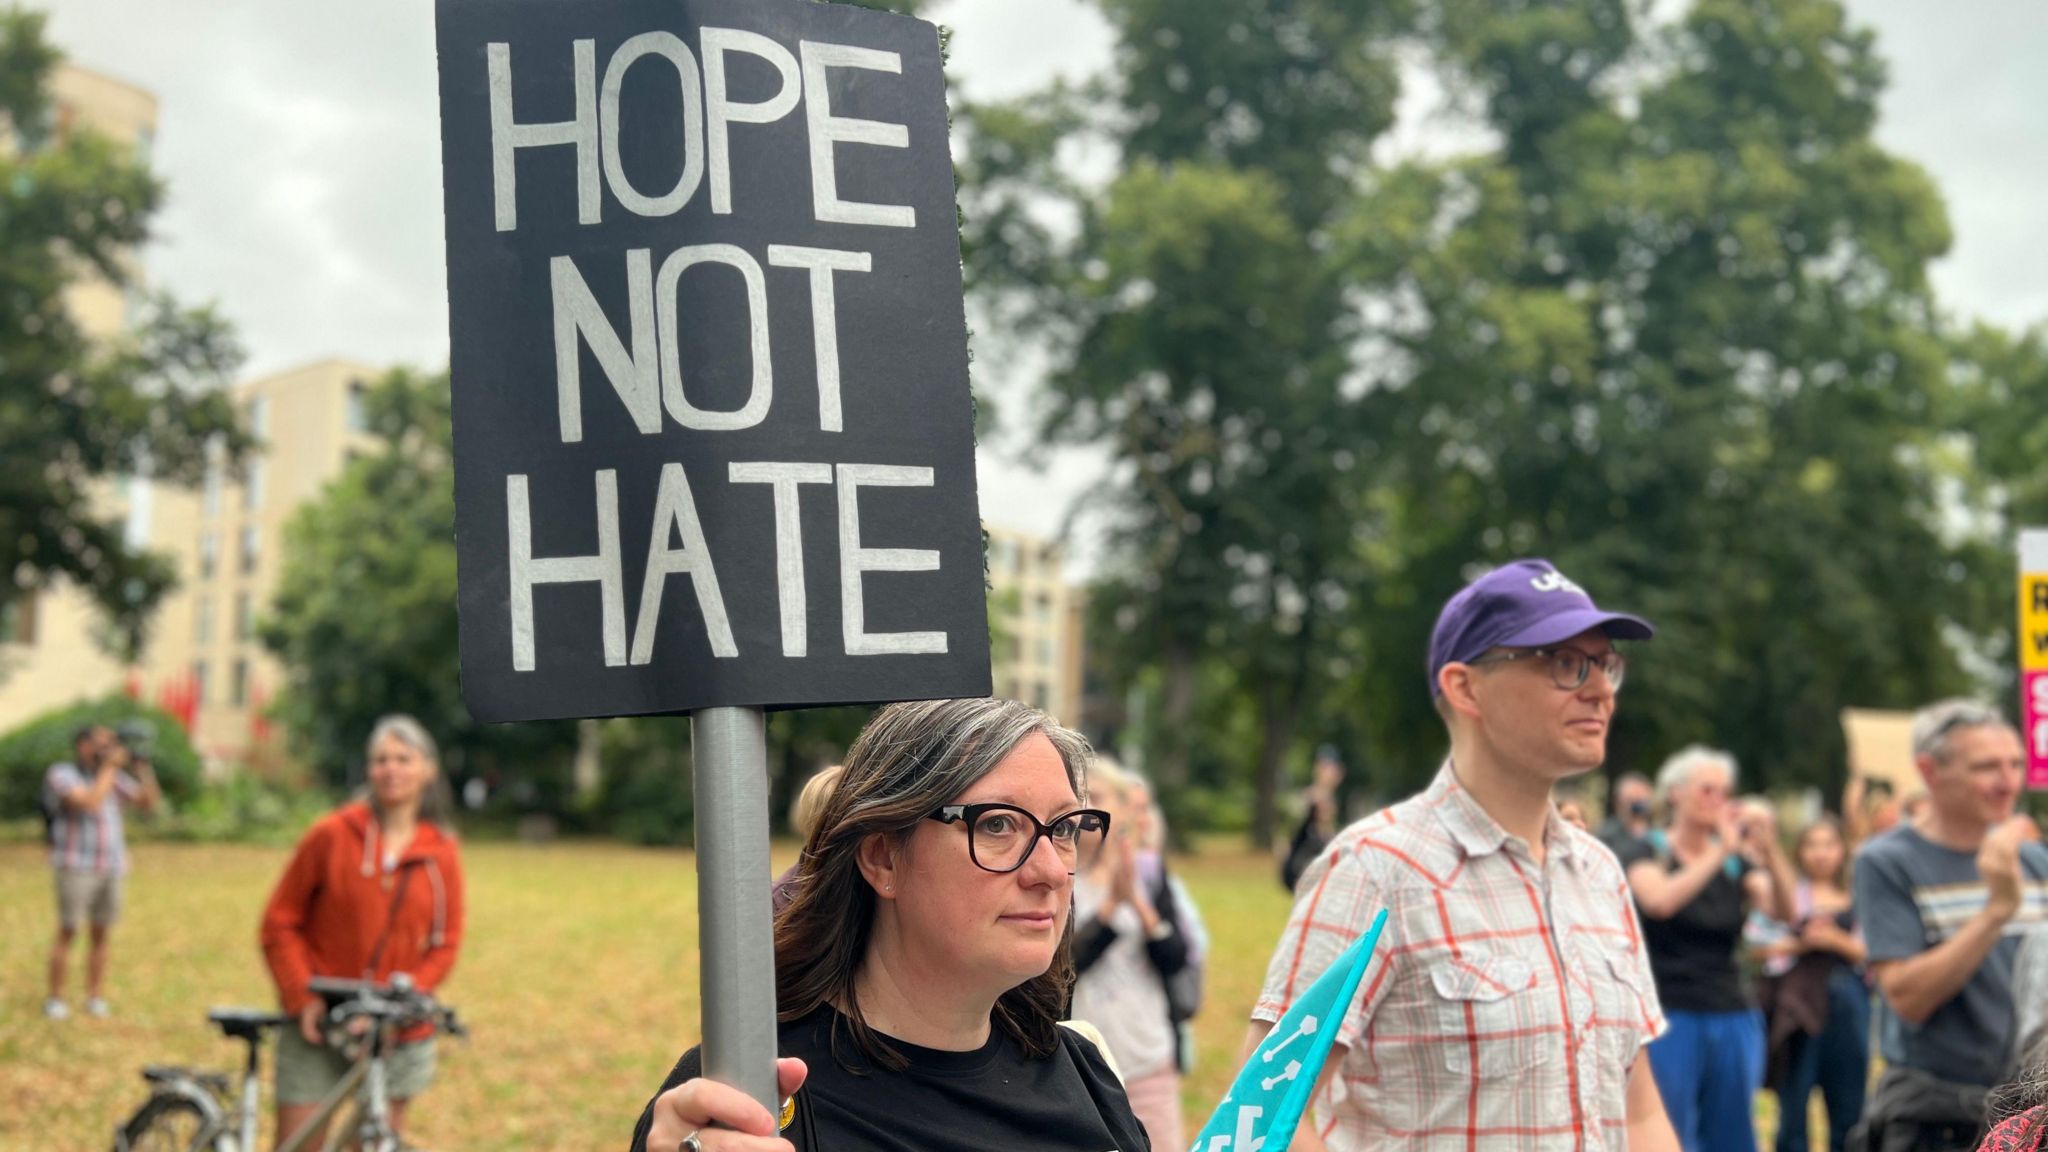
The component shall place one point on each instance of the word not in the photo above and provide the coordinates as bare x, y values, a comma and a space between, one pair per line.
649, 377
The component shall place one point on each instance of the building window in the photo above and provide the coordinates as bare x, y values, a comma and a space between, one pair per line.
202, 620
18, 620
238, 684
259, 427
199, 682
252, 549
252, 486
209, 554
1045, 651
1040, 698
357, 418
245, 617
141, 508
215, 477
1041, 610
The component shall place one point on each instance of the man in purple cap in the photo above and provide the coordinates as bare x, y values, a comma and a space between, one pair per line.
1510, 998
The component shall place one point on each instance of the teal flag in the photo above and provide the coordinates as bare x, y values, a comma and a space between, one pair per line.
1266, 1103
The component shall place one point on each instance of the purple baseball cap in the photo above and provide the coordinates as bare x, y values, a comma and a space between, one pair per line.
1521, 604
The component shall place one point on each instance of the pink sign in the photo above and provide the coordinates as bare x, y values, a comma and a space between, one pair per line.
2034, 725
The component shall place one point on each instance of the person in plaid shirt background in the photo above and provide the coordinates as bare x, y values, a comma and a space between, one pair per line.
1510, 998
88, 851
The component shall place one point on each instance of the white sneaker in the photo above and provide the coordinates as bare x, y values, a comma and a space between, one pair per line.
56, 1009
97, 1008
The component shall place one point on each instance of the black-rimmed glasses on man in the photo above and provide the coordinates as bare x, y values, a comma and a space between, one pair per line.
1001, 837
1569, 667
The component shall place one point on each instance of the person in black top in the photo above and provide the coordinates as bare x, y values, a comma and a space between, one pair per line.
1693, 883
925, 957
1318, 816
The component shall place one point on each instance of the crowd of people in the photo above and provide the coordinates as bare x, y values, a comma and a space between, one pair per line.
982, 944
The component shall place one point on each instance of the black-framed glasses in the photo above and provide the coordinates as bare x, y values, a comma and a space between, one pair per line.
1569, 667
1000, 837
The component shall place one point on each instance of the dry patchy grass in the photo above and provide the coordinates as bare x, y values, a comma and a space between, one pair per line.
578, 979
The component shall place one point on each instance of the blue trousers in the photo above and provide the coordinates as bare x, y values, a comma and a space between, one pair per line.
1837, 1062
1708, 1068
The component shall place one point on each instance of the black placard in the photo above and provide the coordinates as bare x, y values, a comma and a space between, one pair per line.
705, 314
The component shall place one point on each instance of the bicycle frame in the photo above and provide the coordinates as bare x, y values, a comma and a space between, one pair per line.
364, 1085
370, 1126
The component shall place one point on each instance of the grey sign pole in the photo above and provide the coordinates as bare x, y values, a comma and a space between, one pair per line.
729, 749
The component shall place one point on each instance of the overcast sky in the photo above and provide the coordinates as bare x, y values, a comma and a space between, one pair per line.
301, 145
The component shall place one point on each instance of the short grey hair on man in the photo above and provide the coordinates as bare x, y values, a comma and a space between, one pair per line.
1686, 763
1935, 724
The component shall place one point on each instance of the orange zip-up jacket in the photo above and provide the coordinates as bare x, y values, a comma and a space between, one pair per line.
338, 912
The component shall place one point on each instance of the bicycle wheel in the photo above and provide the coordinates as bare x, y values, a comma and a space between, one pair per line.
165, 1124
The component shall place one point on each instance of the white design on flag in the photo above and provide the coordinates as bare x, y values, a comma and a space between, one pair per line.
1243, 1140
1292, 1070
1308, 1028
1272, 1106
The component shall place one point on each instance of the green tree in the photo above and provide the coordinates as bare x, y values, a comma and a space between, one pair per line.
1676, 333
1198, 326
77, 413
1669, 326
364, 618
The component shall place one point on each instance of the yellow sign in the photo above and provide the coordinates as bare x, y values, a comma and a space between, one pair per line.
2033, 654
2033, 621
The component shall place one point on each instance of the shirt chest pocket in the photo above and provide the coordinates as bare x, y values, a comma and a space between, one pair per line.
1620, 1008
1491, 1014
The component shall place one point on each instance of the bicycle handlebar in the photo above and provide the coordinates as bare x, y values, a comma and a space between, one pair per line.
398, 1003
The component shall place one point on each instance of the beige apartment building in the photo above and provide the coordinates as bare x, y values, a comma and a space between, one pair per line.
1037, 656
226, 541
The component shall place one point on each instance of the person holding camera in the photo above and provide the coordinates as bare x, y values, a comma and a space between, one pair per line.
1628, 811
1694, 884
84, 798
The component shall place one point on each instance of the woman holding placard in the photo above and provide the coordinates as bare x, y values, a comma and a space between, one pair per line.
925, 959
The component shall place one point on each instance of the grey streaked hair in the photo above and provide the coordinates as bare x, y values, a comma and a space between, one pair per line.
1934, 724
437, 801
1683, 764
910, 760
408, 731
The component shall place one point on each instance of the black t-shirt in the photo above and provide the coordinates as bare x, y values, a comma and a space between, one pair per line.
1692, 955
994, 1097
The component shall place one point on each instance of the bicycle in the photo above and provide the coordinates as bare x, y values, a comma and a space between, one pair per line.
188, 1110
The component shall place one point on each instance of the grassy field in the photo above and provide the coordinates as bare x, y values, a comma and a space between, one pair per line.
578, 980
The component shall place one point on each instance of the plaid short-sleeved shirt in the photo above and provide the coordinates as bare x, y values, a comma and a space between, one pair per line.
1506, 1002
88, 841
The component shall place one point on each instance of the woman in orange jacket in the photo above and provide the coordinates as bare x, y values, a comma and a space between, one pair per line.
375, 888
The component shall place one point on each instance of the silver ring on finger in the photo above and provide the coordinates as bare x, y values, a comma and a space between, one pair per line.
691, 1143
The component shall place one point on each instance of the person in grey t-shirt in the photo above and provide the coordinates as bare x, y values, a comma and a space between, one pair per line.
1943, 903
